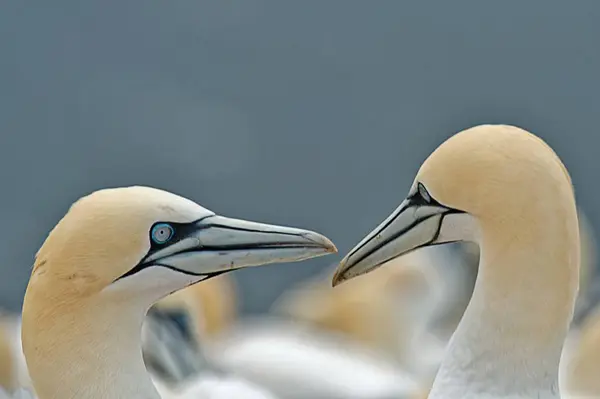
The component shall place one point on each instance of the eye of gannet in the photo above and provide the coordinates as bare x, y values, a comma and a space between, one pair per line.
161, 233
423, 192
419, 196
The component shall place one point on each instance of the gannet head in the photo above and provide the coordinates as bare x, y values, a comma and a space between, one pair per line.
144, 242
486, 175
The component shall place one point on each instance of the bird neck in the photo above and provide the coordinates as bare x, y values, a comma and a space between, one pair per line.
509, 341
84, 347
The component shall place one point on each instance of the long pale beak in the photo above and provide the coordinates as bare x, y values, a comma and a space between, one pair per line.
217, 244
412, 225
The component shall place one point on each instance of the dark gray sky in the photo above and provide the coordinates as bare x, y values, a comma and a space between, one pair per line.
315, 113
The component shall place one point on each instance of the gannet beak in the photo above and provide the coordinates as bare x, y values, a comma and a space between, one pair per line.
216, 244
414, 224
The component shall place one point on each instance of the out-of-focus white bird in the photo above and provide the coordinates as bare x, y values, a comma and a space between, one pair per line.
338, 347
173, 351
388, 311
17, 394
296, 362
177, 328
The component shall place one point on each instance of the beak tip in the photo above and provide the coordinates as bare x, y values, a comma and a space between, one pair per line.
331, 248
340, 274
338, 279
321, 241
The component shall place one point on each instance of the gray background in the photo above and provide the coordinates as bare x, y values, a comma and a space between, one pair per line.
308, 113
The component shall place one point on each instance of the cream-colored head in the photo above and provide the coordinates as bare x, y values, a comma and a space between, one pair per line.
114, 254
106, 234
114, 240
489, 179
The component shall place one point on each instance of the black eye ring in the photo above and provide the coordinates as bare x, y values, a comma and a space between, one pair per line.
161, 233
424, 193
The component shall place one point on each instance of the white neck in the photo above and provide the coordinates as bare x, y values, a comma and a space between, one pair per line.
82, 344
93, 353
509, 341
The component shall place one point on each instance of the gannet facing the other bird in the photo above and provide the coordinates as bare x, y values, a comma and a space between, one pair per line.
506, 190
114, 254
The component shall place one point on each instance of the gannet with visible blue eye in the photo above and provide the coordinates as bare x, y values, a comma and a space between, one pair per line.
506, 190
114, 254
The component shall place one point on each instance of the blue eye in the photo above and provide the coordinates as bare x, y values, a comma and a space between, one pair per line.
162, 232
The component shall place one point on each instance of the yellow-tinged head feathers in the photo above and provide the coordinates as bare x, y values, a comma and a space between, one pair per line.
106, 233
498, 178
487, 168
117, 235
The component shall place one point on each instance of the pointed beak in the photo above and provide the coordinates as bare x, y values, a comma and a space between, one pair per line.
411, 226
217, 244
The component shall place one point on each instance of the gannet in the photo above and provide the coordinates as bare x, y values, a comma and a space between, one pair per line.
114, 254
506, 190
